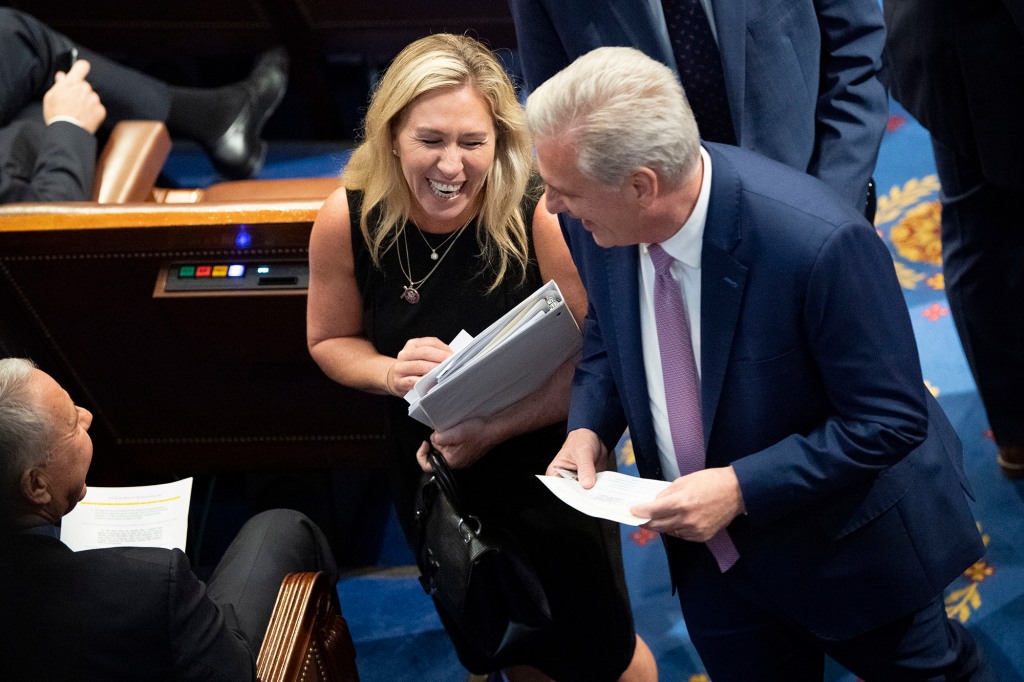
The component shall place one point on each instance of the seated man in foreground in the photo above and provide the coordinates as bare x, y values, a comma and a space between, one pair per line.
121, 613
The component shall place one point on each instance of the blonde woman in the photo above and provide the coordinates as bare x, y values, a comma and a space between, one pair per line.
437, 229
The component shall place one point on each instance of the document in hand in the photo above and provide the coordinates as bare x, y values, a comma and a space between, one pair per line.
610, 498
506, 362
137, 516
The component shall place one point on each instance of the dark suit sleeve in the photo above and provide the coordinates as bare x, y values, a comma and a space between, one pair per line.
63, 169
540, 49
206, 642
862, 344
594, 403
852, 105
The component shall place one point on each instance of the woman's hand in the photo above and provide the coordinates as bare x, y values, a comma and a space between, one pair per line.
461, 445
416, 358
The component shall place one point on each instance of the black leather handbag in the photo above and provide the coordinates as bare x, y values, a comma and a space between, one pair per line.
482, 587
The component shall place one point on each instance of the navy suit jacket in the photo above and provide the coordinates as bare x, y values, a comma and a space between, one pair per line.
811, 389
46, 163
801, 76
125, 613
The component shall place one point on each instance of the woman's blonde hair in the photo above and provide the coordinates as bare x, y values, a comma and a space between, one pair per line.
429, 64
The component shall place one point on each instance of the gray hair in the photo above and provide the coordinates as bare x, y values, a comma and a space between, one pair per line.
623, 111
26, 431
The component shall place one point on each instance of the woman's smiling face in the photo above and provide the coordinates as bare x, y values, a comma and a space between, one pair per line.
445, 144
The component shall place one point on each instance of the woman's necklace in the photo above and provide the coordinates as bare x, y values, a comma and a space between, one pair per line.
433, 250
411, 292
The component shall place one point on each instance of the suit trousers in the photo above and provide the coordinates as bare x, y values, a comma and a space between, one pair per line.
269, 546
982, 253
30, 55
740, 638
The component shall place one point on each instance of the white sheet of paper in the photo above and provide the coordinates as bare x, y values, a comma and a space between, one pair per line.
610, 498
133, 516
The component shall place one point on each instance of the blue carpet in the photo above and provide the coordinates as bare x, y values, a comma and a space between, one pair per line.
398, 636
188, 167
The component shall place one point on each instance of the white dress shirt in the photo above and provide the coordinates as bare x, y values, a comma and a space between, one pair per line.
685, 246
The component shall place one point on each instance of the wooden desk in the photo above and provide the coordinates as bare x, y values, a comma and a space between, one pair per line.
186, 383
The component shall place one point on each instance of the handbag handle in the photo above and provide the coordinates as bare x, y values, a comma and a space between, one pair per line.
446, 482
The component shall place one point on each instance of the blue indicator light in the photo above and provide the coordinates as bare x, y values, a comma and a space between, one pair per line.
236, 270
263, 269
243, 239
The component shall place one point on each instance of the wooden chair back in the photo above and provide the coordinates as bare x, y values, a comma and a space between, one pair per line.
307, 638
130, 162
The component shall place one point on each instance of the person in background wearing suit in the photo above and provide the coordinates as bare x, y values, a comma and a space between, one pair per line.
55, 94
796, 81
750, 331
120, 613
958, 67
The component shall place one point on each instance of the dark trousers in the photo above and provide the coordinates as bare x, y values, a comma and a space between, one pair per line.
269, 546
740, 638
30, 55
983, 264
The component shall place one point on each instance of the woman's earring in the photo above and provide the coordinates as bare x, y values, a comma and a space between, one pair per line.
394, 151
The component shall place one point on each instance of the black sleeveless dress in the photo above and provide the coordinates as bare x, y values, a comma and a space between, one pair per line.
577, 557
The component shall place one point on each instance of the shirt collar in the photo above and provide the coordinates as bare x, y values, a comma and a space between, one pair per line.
687, 243
47, 530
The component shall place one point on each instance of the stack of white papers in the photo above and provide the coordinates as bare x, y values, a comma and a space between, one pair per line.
138, 516
507, 362
610, 498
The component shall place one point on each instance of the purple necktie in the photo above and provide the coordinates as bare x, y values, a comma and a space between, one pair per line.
700, 68
682, 392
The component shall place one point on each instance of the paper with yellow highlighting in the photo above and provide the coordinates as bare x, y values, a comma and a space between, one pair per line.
131, 516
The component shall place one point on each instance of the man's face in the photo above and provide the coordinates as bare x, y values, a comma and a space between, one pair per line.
609, 212
70, 452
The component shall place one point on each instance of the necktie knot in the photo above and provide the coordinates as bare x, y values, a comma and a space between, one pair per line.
662, 260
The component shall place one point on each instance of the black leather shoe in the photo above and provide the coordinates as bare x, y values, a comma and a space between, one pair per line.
1011, 461
239, 153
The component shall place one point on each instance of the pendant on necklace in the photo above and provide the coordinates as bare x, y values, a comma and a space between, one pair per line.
433, 255
410, 295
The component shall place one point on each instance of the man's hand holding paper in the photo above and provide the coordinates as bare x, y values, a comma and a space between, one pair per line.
696, 506
612, 496
693, 507
582, 452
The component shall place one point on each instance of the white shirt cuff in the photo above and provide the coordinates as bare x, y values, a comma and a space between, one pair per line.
66, 119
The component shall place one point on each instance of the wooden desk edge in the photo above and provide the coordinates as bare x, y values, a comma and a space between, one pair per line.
85, 215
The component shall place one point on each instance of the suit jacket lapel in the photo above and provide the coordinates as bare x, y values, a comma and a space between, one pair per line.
622, 267
723, 279
650, 21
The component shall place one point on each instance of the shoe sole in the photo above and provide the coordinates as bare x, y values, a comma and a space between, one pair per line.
1011, 470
